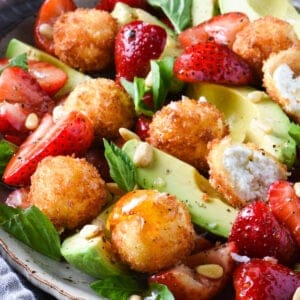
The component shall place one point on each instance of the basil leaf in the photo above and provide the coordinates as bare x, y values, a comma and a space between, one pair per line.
117, 287
7, 149
162, 73
137, 89
178, 12
33, 228
121, 168
158, 292
17, 61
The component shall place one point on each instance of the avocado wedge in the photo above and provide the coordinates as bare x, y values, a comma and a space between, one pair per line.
171, 175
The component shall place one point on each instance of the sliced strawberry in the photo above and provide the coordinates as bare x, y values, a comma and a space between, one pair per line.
212, 62
285, 205
142, 127
50, 78
72, 134
49, 11
109, 5
187, 284
265, 280
12, 122
258, 234
220, 29
18, 86
136, 44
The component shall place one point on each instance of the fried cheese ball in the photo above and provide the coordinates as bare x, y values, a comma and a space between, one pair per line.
84, 39
266, 35
242, 172
107, 105
184, 128
150, 230
282, 80
68, 190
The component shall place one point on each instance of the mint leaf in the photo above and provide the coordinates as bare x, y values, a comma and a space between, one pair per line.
121, 168
158, 292
137, 89
161, 72
178, 12
17, 61
31, 227
7, 150
117, 287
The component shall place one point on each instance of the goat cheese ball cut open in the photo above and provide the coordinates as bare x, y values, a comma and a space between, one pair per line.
84, 39
184, 128
282, 80
266, 35
150, 230
108, 106
242, 172
68, 190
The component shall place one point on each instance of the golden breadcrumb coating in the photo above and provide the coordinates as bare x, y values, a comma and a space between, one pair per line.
184, 128
68, 190
84, 39
281, 80
108, 106
242, 172
266, 35
150, 230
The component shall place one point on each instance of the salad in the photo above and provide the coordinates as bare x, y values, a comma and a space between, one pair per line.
154, 146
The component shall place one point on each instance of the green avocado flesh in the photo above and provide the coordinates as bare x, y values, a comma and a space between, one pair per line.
171, 175
261, 122
203, 10
16, 47
92, 255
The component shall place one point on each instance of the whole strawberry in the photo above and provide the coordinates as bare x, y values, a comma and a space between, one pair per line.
136, 44
257, 234
264, 280
212, 62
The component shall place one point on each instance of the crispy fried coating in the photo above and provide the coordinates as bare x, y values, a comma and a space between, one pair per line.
68, 190
242, 172
184, 128
260, 38
84, 39
108, 106
282, 82
150, 230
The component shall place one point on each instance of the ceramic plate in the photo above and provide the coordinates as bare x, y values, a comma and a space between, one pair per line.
57, 278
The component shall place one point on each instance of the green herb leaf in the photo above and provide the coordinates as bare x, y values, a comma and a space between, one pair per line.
158, 292
121, 168
137, 89
17, 61
162, 73
31, 227
7, 150
178, 12
117, 287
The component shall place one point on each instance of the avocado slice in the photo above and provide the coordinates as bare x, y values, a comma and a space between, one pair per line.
255, 9
89, 250
123, 13
252, 116
169, 174
16, 47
